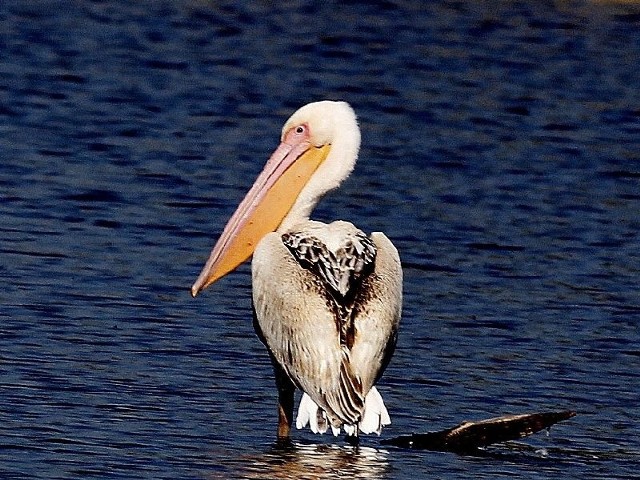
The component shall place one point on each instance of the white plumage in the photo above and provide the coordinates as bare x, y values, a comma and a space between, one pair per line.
327, 297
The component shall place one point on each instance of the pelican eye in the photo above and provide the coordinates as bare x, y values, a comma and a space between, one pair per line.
300, 129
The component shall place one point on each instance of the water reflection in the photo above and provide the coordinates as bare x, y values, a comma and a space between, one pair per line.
315, 461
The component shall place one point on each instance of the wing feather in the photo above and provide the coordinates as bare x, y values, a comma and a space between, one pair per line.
297, 315
377, 314
296, 321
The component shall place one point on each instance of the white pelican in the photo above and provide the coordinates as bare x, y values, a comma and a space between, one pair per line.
326, 298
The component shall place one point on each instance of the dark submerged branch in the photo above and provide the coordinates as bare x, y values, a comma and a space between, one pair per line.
468, 437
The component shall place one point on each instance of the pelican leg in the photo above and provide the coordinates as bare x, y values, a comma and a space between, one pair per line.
353, 440
286, 388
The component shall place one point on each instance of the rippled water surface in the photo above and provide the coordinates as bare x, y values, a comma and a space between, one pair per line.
500, 153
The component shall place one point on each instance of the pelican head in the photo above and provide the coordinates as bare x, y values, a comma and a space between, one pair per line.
318, 150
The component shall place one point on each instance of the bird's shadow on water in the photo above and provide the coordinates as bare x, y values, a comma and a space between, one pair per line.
296, 460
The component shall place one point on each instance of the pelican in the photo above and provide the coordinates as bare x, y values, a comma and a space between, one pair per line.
327, 298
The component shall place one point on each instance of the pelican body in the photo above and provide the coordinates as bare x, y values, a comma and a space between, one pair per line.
327, 298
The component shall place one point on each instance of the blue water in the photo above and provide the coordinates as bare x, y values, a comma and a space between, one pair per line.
501, 154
